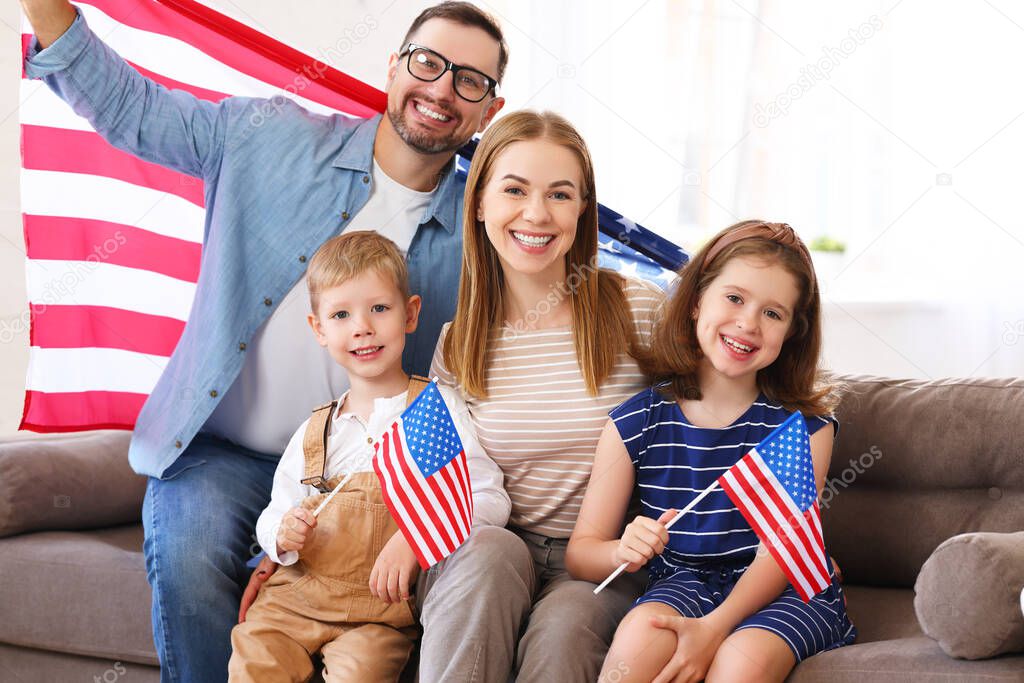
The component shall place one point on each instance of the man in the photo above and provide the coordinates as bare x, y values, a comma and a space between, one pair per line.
243, 373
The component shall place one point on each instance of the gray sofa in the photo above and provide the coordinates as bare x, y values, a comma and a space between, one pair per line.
916, 463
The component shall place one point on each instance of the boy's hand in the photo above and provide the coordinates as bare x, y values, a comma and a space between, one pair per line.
394, 571
642, 539
297, 527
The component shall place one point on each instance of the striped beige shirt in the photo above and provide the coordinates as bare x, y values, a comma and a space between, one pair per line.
539, 424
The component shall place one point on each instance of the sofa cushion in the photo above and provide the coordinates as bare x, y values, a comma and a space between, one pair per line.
968, 595
881, 613
890, 647
917, 462
28, 665
904, 660
81, 592
77, 482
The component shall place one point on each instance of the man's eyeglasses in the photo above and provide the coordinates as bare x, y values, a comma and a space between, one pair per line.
427, 65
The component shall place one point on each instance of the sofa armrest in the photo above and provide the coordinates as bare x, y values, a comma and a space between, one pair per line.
68, 482
968, 595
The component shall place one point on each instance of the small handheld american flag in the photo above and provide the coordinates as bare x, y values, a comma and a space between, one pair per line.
773, 486
425, 478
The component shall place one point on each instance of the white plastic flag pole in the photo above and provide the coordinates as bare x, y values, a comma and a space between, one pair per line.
327, 500
622, 567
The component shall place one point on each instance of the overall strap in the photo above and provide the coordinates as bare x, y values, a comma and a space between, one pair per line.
416, 386
314, 440
314, 445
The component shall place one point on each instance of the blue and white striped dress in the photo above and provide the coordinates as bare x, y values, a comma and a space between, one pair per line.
711, 546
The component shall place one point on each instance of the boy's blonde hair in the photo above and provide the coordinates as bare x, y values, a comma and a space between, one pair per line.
344, 257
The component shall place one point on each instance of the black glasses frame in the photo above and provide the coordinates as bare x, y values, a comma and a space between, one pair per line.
449, 65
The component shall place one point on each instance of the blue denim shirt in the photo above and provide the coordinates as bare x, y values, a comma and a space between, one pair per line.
274, 193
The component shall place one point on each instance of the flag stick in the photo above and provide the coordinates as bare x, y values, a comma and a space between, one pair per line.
622, 567
327, 500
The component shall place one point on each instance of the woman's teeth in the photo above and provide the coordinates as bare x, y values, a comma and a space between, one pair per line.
736, 346
437, 116
532, 241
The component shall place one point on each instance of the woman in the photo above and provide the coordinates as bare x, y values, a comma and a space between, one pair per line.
541, 347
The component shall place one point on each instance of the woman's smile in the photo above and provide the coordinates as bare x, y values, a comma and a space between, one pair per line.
530, 207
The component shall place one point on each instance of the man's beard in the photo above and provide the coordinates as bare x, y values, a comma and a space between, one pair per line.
421, 141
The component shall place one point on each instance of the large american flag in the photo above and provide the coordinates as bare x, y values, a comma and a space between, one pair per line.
425, 478
113, 243
773, 486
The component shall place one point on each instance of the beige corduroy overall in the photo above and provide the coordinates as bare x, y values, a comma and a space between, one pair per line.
323, 601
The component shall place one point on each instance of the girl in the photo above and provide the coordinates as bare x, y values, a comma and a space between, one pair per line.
736, 352
541, 347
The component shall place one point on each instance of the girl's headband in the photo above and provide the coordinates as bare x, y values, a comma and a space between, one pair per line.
772, 232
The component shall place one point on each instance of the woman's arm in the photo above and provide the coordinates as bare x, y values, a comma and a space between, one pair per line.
594, 549
491, 504
437, 368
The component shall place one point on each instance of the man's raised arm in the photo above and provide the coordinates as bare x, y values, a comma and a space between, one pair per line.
167, 127
49, 18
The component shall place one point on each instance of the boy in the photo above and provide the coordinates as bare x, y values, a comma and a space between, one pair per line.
344, 585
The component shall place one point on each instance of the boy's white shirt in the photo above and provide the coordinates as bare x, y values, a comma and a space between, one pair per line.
350, 449
283, 360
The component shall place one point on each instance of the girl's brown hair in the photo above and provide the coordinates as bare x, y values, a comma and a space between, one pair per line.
601, 319
794, 379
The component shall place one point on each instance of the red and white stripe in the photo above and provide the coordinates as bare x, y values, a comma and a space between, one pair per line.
113, 243
793, 536
435, 514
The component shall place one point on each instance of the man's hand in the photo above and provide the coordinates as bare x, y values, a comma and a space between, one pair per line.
297, 527
49, 18
697, 642
394, 571
263, 570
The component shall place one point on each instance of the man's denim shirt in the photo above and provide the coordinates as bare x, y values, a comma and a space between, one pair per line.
274, 193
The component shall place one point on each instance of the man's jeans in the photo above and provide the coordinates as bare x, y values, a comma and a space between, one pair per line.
200, 522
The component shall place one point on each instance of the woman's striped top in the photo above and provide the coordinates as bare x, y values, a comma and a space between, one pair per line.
539, 424
675, 460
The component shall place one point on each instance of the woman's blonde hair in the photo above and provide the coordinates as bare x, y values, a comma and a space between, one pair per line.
601, 319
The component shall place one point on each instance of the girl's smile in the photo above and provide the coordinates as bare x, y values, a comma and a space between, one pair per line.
744, 316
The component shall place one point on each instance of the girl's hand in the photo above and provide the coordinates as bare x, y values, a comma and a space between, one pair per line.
296, 530
642, 539
697, 642
394, 571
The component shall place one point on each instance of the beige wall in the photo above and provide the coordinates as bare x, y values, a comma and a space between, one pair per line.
330, 34
886, 332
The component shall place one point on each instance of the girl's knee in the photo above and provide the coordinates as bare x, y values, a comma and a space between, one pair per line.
635, 632
639, 650
753, 655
